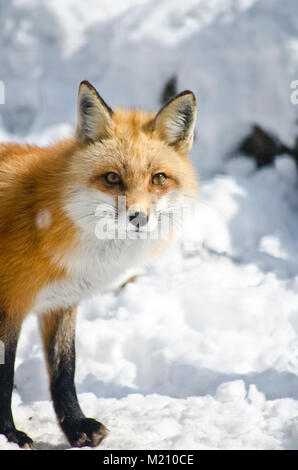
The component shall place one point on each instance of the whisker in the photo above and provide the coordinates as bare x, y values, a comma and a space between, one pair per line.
169, 208
105, 208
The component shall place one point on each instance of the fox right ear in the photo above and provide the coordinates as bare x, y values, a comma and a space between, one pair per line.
176, 120
94, 115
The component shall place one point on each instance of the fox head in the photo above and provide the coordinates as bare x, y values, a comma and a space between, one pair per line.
130, 169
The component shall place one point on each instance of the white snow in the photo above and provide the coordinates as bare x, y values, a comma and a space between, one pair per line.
201, 352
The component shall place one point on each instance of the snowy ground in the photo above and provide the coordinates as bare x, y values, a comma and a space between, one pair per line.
201, 352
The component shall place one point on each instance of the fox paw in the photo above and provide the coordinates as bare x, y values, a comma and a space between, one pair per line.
86, 432
20, 438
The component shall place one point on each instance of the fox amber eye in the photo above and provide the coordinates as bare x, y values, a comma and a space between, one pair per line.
112, 178
159, 179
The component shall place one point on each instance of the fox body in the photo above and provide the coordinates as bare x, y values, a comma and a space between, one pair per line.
62, 211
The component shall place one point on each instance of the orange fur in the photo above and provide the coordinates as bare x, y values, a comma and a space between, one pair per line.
30, 180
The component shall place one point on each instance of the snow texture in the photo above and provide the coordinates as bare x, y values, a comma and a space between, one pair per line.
201, 352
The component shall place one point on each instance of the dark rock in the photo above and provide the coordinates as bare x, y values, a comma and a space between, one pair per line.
263, 147
169, 90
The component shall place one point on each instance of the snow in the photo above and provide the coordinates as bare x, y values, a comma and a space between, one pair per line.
201, 352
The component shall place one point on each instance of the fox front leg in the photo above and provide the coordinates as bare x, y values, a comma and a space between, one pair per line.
58, 334
9, 333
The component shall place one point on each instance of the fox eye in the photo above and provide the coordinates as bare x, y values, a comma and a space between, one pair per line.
159, 179
112, 178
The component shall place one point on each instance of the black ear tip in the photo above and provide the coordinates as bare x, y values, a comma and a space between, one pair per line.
95, 93
87, 84
187, 92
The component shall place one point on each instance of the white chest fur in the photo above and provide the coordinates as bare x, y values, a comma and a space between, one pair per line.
96, 266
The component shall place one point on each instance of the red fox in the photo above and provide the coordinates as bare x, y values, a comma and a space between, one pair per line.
53, 253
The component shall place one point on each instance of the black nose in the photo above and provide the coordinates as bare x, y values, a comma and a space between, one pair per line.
139, 219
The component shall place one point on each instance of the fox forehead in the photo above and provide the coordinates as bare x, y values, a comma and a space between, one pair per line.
130, 121
130, 150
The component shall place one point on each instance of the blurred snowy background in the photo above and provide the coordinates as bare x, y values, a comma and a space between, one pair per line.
201, 352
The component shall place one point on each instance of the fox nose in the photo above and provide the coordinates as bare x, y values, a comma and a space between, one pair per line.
138, 219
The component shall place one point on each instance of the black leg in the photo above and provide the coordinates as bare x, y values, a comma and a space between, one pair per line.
9, 333
58, 332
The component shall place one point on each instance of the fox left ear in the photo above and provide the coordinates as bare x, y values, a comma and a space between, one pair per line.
175, 122
94, 115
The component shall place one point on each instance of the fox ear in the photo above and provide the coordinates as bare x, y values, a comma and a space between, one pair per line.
175, 122
94, 115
